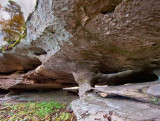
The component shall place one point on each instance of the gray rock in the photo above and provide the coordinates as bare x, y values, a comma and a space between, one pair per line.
94, 108
154, 90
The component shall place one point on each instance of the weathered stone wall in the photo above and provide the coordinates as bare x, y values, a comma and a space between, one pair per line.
84, 41
90, 42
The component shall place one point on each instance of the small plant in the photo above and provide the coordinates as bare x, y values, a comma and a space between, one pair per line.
35, 111
156, 100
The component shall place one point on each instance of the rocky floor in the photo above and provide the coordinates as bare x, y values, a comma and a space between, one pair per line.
33, 96
95, 108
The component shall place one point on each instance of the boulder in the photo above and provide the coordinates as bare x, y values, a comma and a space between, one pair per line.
154, 90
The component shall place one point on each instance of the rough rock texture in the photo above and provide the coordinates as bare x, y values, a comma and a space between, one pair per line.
17, 82
100, 109
85, 43
10, 63
90, 42
154, 90
8, 81
137, 91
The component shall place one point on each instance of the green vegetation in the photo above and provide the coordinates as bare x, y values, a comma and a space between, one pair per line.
17, 41
35, 111
12, 45
13, 29
156, 100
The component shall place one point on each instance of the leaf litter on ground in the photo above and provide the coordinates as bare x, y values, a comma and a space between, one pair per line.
36, 111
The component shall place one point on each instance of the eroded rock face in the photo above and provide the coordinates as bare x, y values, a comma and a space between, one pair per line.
90, 42
86, 41
9, 81
10, 63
